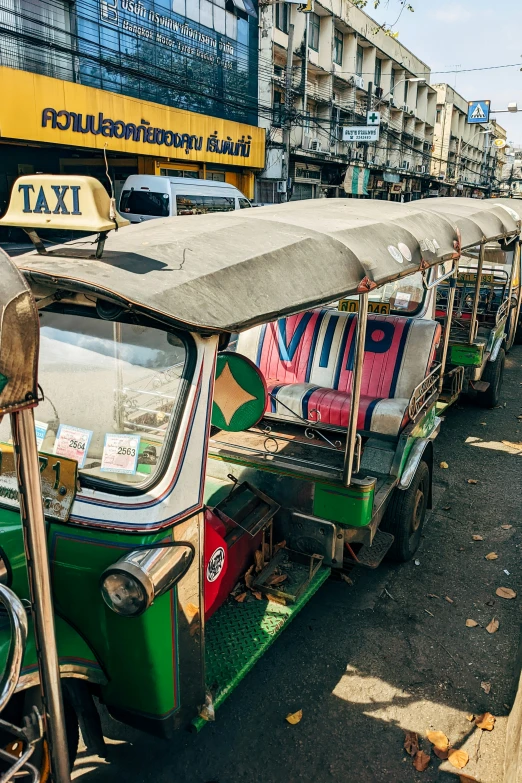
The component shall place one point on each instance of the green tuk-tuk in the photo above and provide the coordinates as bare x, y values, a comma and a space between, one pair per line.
197, 493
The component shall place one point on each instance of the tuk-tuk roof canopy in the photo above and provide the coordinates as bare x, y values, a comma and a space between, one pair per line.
229, 271
478, 220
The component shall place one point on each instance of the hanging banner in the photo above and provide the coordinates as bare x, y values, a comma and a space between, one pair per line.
356, 180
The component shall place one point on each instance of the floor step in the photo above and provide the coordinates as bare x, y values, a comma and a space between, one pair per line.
238, 635
370, 556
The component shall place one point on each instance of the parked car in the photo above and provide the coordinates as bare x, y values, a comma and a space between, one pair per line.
145, 197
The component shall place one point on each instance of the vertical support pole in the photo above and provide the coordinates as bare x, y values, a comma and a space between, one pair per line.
35, 540
305, 77
472, 327
447, 325
351, 435
288, 104
518, 271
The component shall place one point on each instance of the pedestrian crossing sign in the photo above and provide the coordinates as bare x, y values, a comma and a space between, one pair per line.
478, 111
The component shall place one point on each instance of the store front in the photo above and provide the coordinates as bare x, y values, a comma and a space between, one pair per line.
63, 127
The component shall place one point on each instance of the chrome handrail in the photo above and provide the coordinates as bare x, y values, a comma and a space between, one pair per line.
422, 391
18, 620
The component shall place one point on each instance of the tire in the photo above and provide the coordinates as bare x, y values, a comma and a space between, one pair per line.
21, 704
518, 333
493, 374
405, 515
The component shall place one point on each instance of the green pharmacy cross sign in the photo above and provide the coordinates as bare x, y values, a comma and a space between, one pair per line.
373, 118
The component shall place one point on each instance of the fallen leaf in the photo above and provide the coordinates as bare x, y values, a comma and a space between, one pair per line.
471, 623
506, 527
430, 614
240, 598
421, 761
294, 717
493, 626
275, 599
276, 579
448, 599
259, 559
459, 758
411, 743
477, 538
444, 465
472, 481
470, 717
249, 577
257, 595
441, 754
505, 592
446, 508
490, 603
486, 721
432, 595
492, 556
279, 546
438, 739
346, 579
486, 686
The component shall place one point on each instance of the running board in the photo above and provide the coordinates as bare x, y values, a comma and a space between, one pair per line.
370, 556
238, 635
480, 386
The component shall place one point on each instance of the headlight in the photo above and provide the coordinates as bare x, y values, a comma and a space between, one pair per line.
130, 586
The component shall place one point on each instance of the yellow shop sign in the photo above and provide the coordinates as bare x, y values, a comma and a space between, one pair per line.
63, 112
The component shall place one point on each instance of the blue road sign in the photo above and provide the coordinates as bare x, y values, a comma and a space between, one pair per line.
478, 111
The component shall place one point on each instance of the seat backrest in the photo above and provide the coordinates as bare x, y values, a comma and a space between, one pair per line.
318, 347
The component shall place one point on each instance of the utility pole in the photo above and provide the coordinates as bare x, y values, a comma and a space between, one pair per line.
369, 107
288, 108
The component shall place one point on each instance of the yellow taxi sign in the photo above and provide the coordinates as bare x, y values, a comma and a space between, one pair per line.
61, 202
471, 277
352, 306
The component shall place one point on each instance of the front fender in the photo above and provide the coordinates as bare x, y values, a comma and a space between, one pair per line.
76, 658
497, 345
422, 449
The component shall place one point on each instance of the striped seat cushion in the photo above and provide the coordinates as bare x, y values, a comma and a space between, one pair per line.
308, 361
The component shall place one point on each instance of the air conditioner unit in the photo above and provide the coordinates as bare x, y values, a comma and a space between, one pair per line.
421, 169
315, 145
357, 81
279, 72
405, 108
405, 165
281, 186
393, 103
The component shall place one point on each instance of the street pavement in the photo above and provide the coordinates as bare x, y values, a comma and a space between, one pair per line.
389, 654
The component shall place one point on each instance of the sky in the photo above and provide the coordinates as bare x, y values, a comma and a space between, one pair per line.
468, 34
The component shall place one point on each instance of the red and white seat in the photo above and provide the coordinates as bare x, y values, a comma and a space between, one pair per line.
308, 359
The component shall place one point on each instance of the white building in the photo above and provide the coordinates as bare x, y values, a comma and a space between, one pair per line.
342, 65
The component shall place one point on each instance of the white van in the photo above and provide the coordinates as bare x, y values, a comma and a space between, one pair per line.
145, 197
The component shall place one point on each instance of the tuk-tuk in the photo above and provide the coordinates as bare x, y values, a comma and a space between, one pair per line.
197, 496
476, 299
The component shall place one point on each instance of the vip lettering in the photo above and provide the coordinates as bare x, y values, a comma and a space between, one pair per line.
145, 133
41, 205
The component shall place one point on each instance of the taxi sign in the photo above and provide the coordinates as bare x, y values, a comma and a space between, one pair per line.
61, 202
352, 306
471, 277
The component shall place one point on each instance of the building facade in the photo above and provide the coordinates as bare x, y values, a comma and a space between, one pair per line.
342, 66
158, 86
465, 160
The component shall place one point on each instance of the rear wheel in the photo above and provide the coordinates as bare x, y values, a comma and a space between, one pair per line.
404, 517
493, 374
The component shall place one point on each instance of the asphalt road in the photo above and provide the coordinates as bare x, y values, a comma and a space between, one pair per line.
389, 654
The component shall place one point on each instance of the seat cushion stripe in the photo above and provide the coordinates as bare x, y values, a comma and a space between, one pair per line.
317, 328
369, 413
349, 336
398, 360
327, 342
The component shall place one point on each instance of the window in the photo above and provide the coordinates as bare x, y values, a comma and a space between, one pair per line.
378, 72
278, 109
314, 27
392, 81
244, 203
145, 202
113, 393
359, 60
406, 87
282, 14
203, 205
438, 115
190, 174
338, 47
215, 176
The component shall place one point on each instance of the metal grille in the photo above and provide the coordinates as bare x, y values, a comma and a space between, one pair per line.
238, 635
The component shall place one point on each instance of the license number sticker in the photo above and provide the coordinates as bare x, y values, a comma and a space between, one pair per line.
40, 428
352, 306
402, 300
120, 453
73, 443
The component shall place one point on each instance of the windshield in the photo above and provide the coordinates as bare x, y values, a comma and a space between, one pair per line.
112, 391
145, 202
402, 297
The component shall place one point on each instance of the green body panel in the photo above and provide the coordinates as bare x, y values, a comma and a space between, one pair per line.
466, 354
347, 505
12, 543
238, 635
73, 651
423, 429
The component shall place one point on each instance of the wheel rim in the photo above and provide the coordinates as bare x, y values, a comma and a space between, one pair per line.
419, 508
16, 748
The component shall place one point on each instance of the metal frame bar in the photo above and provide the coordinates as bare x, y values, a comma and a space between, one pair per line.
447, 325
351, 436
35, 540
423, 391
473, 326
